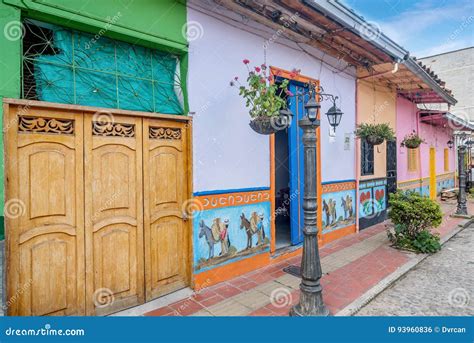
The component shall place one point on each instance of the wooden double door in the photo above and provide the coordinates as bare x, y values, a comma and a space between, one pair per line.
96, 202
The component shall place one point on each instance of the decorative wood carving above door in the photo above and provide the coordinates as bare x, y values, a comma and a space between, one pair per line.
45, 125
113, 129
165, 133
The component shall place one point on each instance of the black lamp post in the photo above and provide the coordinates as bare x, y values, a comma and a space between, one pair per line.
461, 209
311, 298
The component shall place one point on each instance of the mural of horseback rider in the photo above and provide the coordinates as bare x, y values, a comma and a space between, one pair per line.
253, 226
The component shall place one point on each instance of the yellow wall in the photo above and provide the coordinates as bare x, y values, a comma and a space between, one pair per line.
375, 104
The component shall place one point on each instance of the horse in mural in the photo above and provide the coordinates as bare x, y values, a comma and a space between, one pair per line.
252, 227
215, 234
330, 209
326, 211
205, 231
346, 205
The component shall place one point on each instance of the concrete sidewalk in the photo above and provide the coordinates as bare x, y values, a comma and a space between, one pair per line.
356, 268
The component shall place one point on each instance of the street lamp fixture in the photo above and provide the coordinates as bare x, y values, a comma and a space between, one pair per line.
450, 144
312, 107
311, 297
334, 115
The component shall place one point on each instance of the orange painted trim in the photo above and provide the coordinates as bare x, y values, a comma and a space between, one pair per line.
230, 270
338, 187
272, 195
334, 235
212, 201
319, 189
287, 255
240, 267
275, 71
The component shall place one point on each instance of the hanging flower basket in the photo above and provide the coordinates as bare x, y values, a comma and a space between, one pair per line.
375, 134
375, 140
265, 99
412, 141
266, 125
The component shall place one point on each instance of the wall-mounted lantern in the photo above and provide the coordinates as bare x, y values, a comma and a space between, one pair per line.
334, 115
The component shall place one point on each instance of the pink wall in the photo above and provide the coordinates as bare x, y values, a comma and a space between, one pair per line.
434, 136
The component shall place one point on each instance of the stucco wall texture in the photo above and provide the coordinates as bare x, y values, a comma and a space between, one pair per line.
376, 104
456, 68
228, 155
434, 136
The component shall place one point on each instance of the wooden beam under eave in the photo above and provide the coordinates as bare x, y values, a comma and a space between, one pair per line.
292, 35
413, 85
328, 35
329, 25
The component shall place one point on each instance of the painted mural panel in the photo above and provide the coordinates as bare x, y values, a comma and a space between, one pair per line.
338, 210
227, 234
380, 202
372, 198
365, 203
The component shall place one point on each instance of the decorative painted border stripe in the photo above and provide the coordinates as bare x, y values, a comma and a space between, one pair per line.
211, 201
365, 184
338, 186
425, 180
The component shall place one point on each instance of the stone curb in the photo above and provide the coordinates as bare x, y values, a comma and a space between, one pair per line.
365, 298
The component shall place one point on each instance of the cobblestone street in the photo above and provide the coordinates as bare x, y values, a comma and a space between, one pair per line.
441, 285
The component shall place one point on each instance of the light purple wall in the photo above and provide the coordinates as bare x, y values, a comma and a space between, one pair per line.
227, 154
434, 136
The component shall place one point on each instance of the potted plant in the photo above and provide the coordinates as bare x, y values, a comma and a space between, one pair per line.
412, 141
265, 100
375, 134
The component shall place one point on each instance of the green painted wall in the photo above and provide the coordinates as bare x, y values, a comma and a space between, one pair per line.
156, 24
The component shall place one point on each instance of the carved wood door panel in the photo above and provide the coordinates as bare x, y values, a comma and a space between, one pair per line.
165, 192
114, 213
44, 212
94, 210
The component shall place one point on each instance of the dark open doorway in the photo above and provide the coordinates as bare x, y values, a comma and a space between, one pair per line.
391, 167
282, 191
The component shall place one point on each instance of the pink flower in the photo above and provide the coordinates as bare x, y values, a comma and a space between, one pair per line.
294, 73
262, 80
270, 78
257, 69
246, 61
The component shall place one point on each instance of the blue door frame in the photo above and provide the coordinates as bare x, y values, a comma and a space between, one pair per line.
296, 155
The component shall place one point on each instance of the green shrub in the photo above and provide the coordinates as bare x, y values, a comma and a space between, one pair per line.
414, 216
